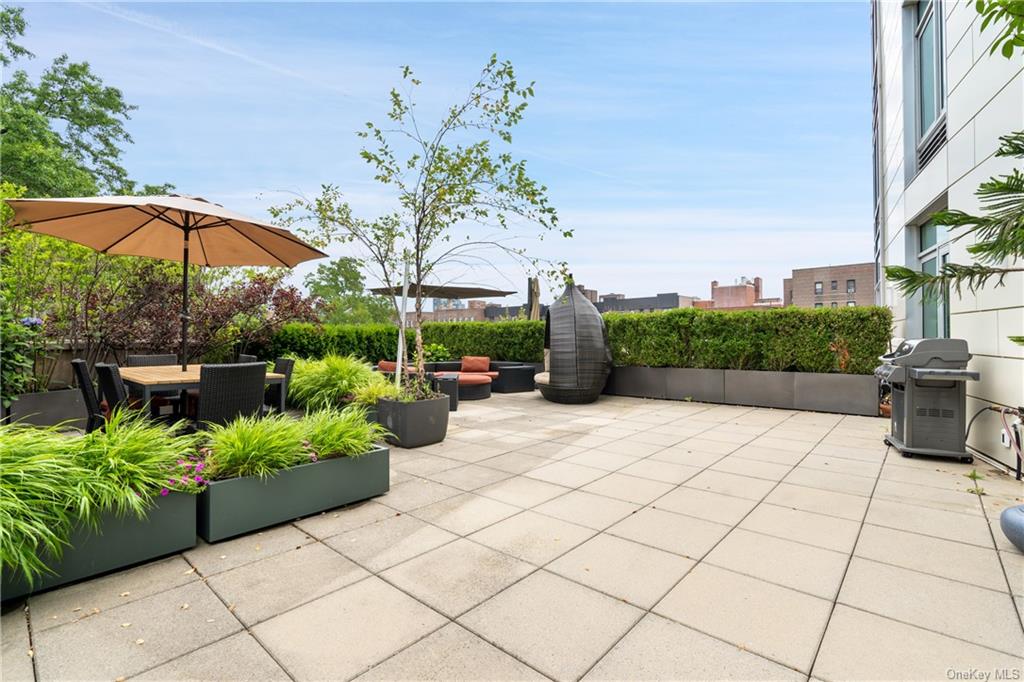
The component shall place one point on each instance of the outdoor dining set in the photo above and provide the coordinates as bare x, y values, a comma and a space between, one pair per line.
199, 394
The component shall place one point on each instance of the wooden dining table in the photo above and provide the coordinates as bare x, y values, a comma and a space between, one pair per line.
145, 381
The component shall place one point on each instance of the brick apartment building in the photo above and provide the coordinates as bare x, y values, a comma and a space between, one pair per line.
746, 294
831, 286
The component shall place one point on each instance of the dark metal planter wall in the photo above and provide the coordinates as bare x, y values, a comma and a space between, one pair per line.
240, 505
169, 527
841, 393
49, 408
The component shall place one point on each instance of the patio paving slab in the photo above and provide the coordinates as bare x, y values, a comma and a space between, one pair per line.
249, 662
801, 567
606, 460
944, 558
81, 600
417, 493
465, 513
452, 653
628, 488
660, 649
735, 464
612, 565
533, 537
522, 491
706, 505
557, 626
210, 559
951, 608
458, 576
390, 541
338, 521
666, 472
262, 589
15, 652
938, 523
469, 476
567, 474
903, 651
315, 642
685, 535
831, 481
731, 484
517, 462
586, 509
819, 501
746, 612
132, 638
809, 528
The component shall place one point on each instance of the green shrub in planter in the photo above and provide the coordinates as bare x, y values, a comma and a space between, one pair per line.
51, 483
378, 388
328, 382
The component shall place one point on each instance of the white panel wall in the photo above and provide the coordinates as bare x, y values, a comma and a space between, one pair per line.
985, 99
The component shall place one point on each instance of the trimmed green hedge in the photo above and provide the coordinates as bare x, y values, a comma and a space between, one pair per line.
787, 339
782, 339
521, 340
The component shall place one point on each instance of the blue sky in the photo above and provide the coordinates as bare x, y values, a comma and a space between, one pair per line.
682, 142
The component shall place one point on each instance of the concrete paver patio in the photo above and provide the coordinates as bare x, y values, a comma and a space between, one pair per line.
628, 539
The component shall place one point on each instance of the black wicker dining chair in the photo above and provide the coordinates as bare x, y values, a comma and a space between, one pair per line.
160, 398
230, 391
94, 415
242, 357
112, 388
276, 393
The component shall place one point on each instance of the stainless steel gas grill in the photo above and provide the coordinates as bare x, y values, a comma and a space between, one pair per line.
928, 379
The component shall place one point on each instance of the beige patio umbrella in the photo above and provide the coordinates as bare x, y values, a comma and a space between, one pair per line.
165, 227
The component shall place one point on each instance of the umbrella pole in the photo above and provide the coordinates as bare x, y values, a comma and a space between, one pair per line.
184, 301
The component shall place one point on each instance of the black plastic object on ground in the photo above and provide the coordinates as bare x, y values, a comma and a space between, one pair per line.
579, 359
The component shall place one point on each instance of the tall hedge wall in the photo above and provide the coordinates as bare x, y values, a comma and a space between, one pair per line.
783, 339
845, 340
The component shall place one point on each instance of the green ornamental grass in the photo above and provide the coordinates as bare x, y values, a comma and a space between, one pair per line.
378, 388
254, 446
328, 382
341, 433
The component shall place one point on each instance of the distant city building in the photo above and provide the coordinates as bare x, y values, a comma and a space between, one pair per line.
643, 304
449, 304
832, 286
589, 294
746, 294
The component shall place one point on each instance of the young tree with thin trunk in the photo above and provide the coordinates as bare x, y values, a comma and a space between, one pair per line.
460, 200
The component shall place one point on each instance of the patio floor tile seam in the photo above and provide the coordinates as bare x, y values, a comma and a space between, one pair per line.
699, 561
27, 611
1002, 564
846, 571
901, 567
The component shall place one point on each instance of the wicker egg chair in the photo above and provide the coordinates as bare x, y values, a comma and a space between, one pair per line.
578, 357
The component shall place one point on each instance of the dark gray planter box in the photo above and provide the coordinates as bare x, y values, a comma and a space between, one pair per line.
415, 424
49, 408
640, 382
120, 541
241, 505
845, 393
761, 389
702, 385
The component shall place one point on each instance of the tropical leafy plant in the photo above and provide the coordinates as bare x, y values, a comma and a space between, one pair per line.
328, 382
254, 446
341, 433
435, 352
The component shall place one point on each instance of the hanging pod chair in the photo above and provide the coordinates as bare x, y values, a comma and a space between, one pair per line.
576, 343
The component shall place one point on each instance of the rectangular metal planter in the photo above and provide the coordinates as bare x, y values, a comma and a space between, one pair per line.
240, 505
843, 393
639, 382
702, 385
48, 408
760, 389
415, 424
120, 541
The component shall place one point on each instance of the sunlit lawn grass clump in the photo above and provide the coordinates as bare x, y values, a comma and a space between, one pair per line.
328, 382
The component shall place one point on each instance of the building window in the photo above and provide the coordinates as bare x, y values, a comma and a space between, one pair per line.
835, 285
834, 304
851, 286
850, 304
818, 288
930, 80
933, 253
817, 305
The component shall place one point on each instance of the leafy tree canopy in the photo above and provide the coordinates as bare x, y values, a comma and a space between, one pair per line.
341, 286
